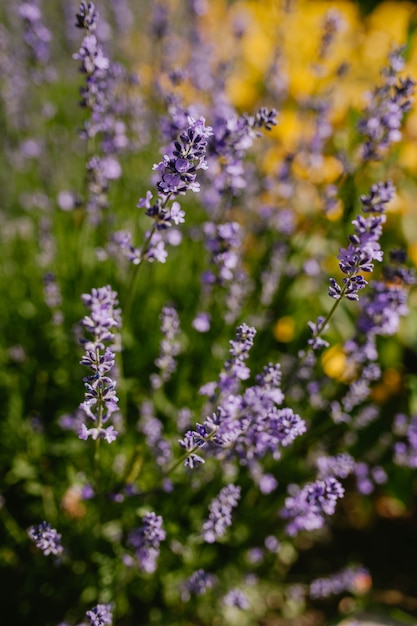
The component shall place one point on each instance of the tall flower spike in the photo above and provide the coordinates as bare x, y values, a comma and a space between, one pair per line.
169, 348
346, 579
381, 122
100, 615
46, 538
221, 513
307, 508
197, 584
177, 175
363, 248
100, 397
146, 539
101, 99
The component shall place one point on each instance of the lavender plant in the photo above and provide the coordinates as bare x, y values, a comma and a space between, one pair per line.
262, 424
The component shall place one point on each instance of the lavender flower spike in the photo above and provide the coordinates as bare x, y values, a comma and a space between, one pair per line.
306, 508
100, 396
363, 248
221, 513
46, 538
198, 583
100, 615
146, 539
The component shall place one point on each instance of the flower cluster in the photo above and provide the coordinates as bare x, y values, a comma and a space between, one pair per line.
246, 425
98, 96
95, 65
36, 36
101, 400
177, 175
100, 615
405, 452
381, 122
152, 428
170, 346
46, 538
197, 584
306, 508
363, 248
145, 541
340, 465
236, 598
221, 513
235, 369
347, 579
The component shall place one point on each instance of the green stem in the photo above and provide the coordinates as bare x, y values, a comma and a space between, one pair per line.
320, 329
189, 453
127, 305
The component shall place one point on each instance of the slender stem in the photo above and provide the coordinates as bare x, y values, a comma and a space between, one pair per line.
127, 305
97, 464
187, 454
320, 329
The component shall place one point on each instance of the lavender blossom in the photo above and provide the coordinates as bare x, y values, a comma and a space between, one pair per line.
145, 541
332, 25
307, 507
99, 97
405, 452
247, 425
170, 347
152, 428
192, 441
235, 369
95, 65
237, 598
344, 580
341, 465
100, 615
177, 175
363, 248
46, 538
381, 121
36, 37
221, 513
100, 397
197, 584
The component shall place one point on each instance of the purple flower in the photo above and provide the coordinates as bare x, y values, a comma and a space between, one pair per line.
363, 248
201, 322
170, 346
87, 16
190, 443
197, 584
381, 122
145, 541
100, 615
46, 538
340, 465
380, 194
343, 580
236, 597
332, 25
220, 517
100, 400
235, 369
177, 174
152, 428
306, 509
36, 36
405, 452
100, 96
